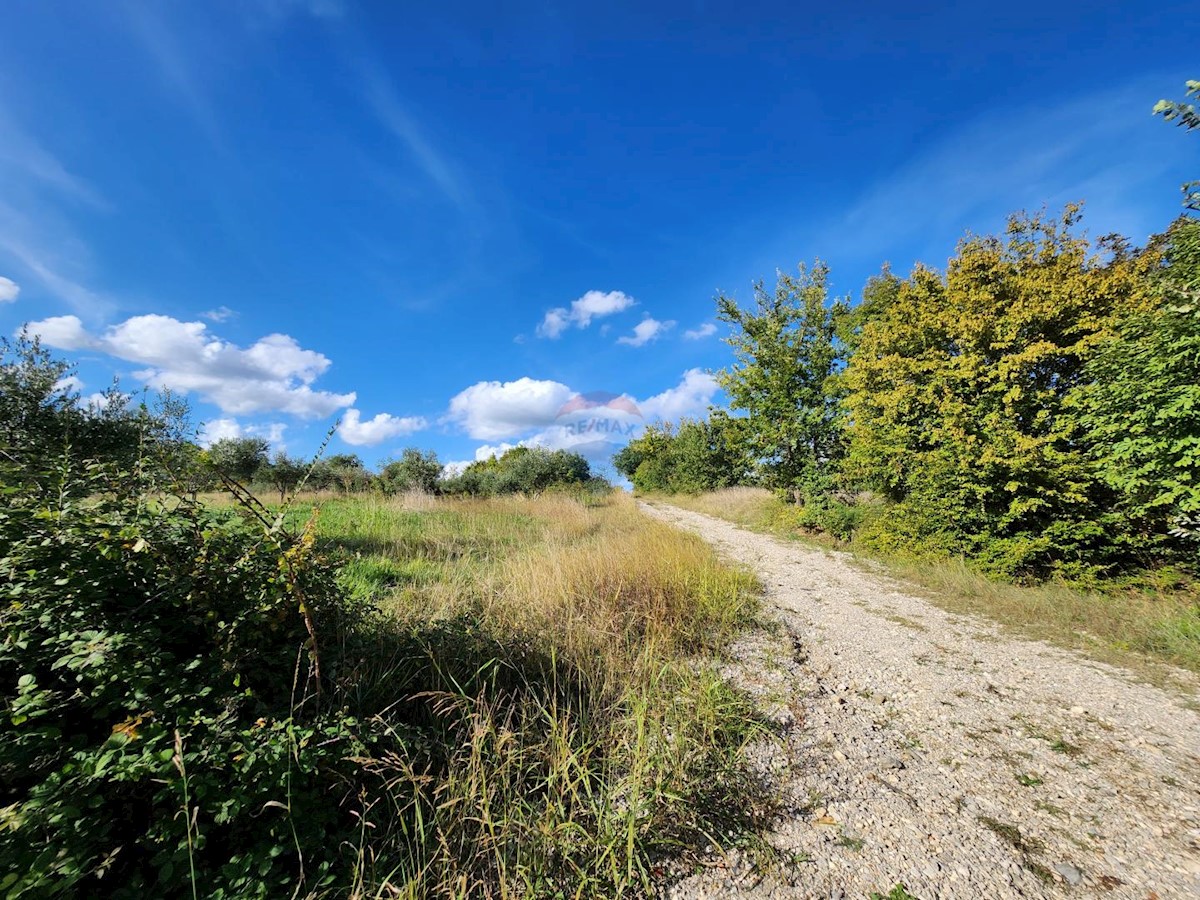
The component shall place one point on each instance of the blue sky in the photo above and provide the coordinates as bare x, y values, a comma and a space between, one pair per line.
439, 222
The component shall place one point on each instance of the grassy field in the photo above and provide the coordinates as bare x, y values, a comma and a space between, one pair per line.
1131, 626
566, 649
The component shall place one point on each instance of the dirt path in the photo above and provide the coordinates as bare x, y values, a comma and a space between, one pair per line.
928, 749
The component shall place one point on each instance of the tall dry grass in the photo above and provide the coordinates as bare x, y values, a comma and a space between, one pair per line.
750, 507
555, 658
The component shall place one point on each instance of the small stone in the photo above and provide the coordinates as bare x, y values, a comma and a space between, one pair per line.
1077, 711
893, 762
839, 755
1071, 874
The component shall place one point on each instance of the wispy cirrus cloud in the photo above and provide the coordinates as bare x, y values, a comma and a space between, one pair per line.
398, 119
1102, 147
157, 36
26, 165
40, 195
707, 329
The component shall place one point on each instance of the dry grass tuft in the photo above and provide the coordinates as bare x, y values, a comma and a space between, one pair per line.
750, 507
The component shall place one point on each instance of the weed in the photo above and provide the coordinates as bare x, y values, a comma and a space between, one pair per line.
1012, 835
1067, 748
850, 843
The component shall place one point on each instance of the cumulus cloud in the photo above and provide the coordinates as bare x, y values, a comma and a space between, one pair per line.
592, 305
382, 427
691, 397
647, 330
529, 413
491, 410
226, 428
72, 383
700, 331
9, 290
275, 374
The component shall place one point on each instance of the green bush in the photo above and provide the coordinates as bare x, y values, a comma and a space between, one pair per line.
521, 470
152, 730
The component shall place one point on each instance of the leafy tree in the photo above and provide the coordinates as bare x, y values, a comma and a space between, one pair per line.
524, 470
284, 474
239, 458
414, 470
1186, 116
787, 356
343, 471
42, 416
1183, 114
878, 295
695, 456
963, 398
1144, 406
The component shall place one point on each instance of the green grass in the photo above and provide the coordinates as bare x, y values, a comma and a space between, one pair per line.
1137, 626
564, 651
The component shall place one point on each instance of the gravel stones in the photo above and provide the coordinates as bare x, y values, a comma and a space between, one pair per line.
951, 757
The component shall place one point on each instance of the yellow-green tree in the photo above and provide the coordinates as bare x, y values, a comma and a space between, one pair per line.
962, 398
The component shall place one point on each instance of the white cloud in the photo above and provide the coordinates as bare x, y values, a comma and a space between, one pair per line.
592, 305
220, 314
487, 451
9, 290
491, 410
454, 467
99, 400
700, 331
645, 331
63, 332
221, 429
529, 413
382, 427
72, 383
691, 397
555, 323
275, 374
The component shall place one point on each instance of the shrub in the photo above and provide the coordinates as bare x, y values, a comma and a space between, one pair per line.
150, 735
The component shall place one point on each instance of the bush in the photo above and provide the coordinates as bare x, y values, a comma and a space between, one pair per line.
521, 470
149, 736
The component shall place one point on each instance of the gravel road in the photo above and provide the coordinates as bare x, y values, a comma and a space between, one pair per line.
931, 750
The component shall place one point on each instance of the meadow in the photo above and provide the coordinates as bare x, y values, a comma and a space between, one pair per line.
567, 647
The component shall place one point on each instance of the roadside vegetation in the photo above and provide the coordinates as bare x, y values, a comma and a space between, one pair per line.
375, 694
1131, 623
1030, 415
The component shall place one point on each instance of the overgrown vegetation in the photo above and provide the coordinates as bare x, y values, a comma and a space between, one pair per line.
382, 696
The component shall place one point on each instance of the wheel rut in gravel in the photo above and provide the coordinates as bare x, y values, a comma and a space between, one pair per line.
932, 750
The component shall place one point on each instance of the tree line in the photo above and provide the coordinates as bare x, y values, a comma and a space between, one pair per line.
45, 423
1034, 407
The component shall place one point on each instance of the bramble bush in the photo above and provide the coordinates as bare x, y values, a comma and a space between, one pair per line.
165, 719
